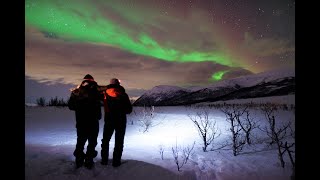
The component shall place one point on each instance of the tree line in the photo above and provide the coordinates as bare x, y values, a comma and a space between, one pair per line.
52, 102
57, 102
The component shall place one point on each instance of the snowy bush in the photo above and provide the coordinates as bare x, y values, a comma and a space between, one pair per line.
146, 120
233, 117
247, 124
161, 150
181, 155
206, 127
279, 135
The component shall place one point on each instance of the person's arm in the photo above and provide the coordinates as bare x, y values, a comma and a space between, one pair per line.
102, 88
100, 91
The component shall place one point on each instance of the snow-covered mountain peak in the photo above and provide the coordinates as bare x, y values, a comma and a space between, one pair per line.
165, 89
272, 83
254, 79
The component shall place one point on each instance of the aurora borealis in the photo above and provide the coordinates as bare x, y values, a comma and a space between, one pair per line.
156, 42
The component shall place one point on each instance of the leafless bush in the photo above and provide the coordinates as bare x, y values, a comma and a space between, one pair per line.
289, 148
278, 135
182, 159
239, 105
247, 125
233, 117
250, 105
207, 129
147, 118
133, 114
161, 150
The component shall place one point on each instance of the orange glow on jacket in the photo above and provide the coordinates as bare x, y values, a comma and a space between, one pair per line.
113, 92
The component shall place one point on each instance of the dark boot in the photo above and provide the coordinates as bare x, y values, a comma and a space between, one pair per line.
79, 162
92, 153
104, 157
88, 162
79, 159
117, 153
116, 163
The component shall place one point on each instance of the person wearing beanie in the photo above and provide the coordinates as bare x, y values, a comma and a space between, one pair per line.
116, 106
88, 77
114, 81
86, 101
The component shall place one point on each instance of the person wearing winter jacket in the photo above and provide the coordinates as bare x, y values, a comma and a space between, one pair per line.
86, 101
116, 106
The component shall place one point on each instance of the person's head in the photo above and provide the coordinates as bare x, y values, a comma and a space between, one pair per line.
88, 77
115, 81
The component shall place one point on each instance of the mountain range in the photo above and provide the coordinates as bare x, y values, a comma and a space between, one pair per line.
272, 83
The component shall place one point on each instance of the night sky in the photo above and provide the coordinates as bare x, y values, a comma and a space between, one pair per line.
146, 43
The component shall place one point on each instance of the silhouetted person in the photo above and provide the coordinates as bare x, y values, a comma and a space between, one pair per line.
86, 102
116, 106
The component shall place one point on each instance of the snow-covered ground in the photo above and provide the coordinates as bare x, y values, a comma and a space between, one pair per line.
50, 138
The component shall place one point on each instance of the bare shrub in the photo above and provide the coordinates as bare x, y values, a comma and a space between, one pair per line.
161, 150
278, 134
233, 114
133, 114
181, 159
146, 118
247, 125
206, 127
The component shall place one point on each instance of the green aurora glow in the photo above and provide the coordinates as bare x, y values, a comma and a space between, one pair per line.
82, 21
218, 75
